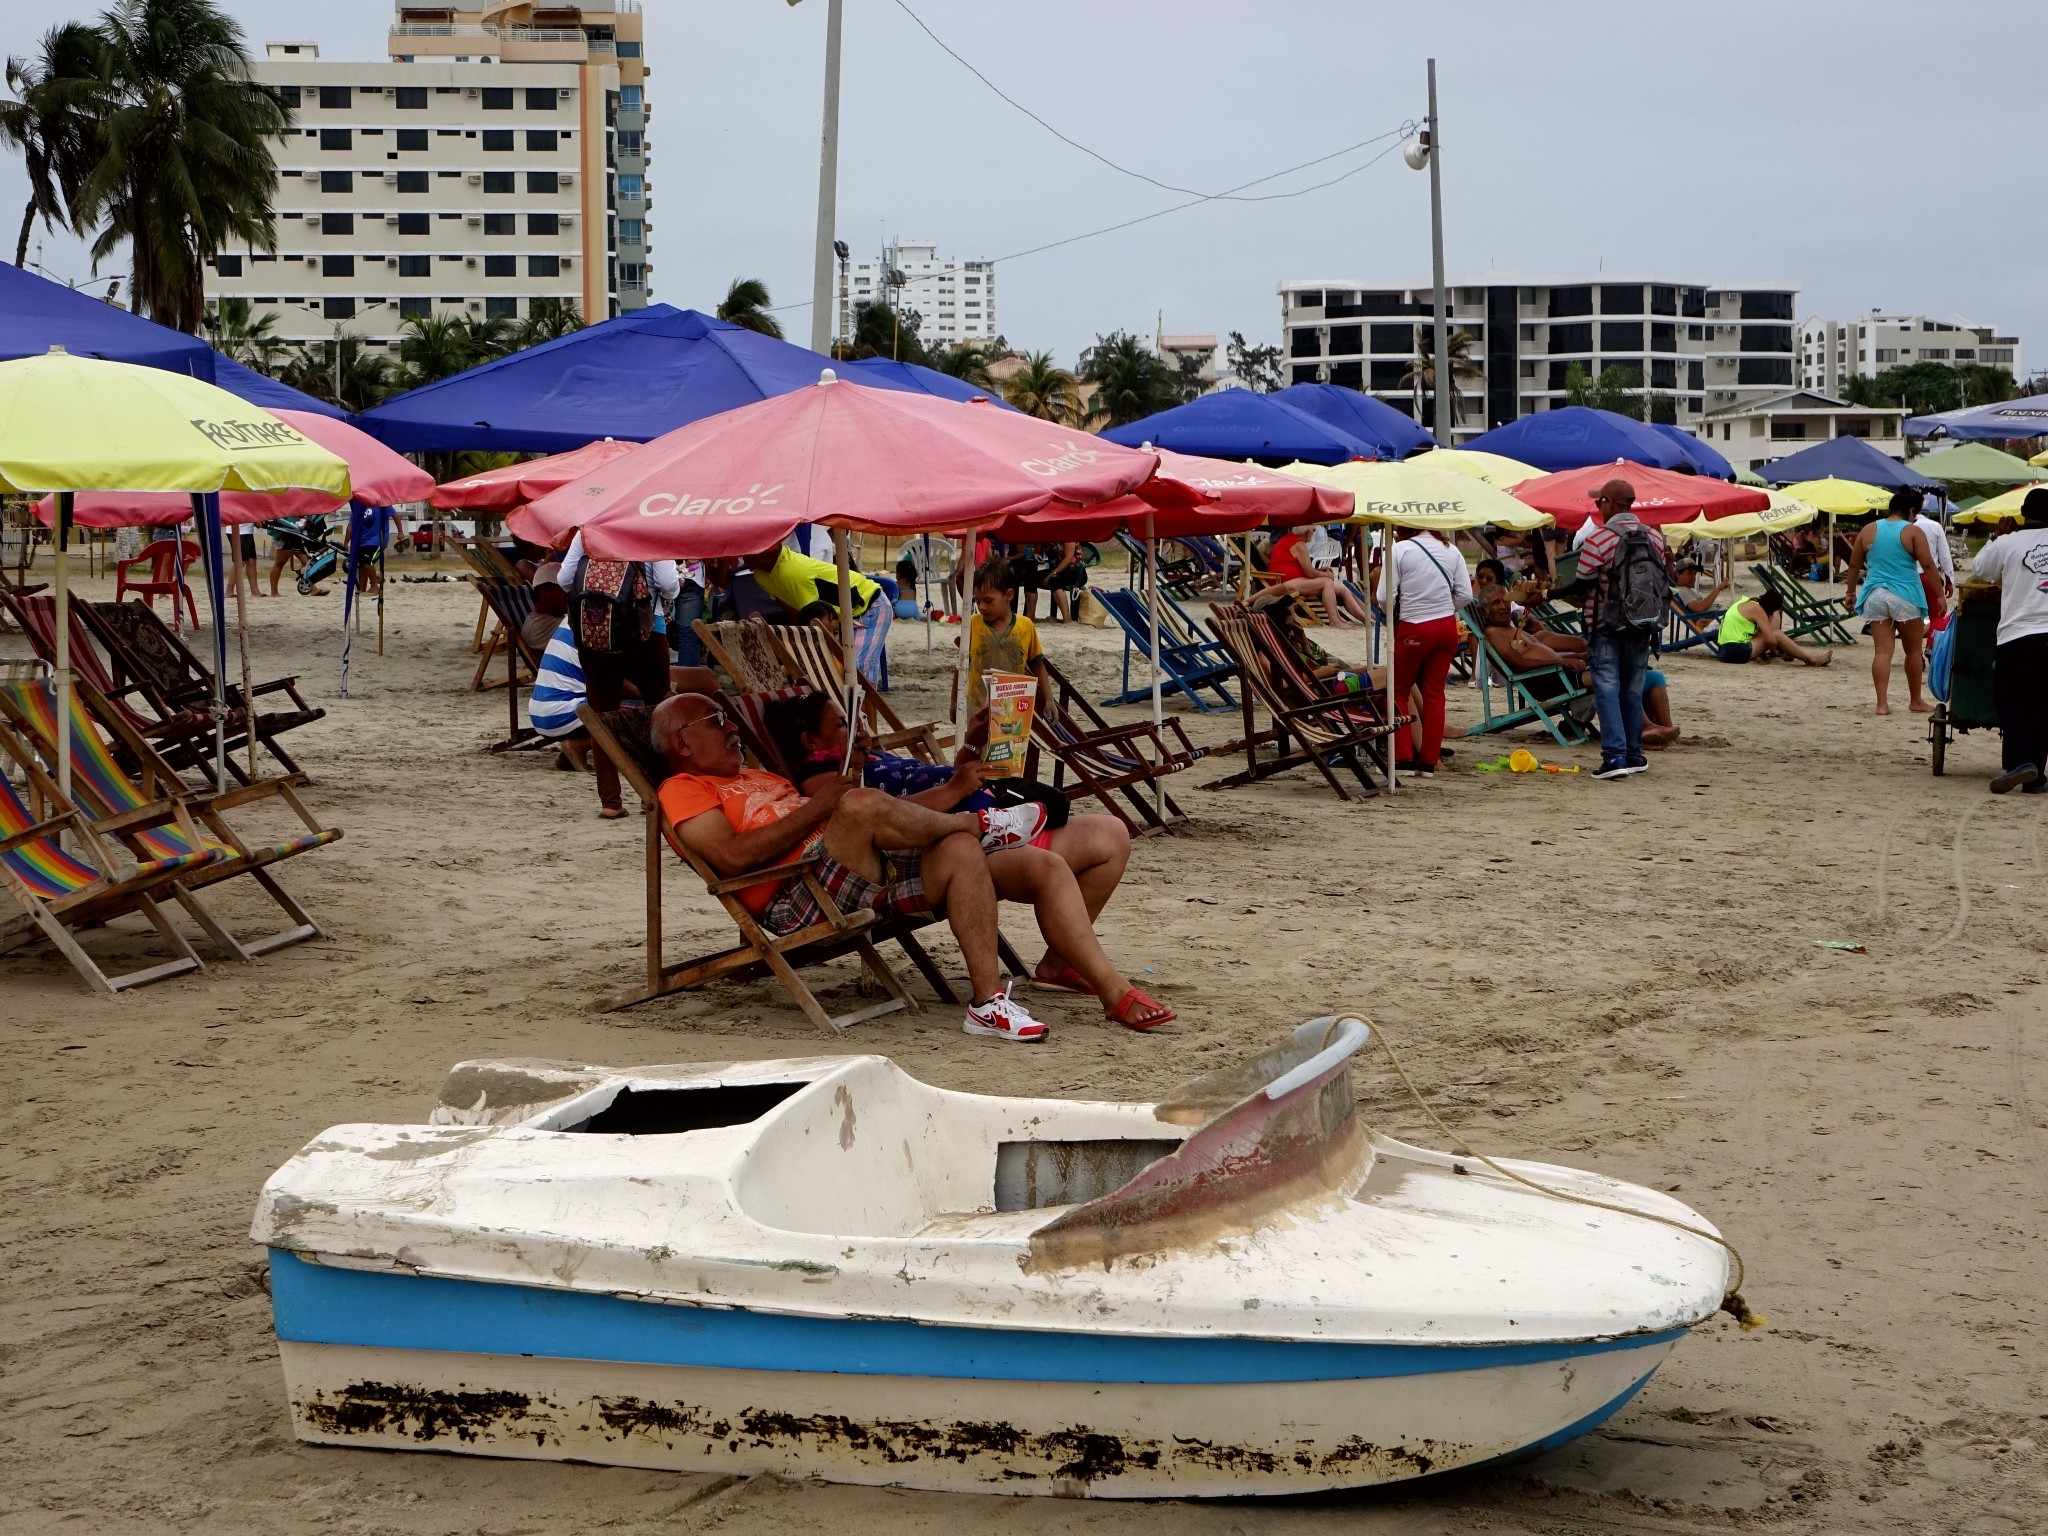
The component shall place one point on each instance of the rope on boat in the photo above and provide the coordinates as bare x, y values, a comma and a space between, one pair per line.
1731, 1301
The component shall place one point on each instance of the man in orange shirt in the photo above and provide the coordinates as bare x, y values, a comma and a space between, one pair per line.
879, 853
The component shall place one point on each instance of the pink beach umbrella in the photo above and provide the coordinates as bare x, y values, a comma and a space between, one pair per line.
504, 489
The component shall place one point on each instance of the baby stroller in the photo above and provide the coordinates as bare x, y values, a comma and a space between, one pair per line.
310, 540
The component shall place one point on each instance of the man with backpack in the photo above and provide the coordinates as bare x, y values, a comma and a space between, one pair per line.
618, 612
1626, 569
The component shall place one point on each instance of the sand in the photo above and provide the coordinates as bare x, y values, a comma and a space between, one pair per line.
1619, 976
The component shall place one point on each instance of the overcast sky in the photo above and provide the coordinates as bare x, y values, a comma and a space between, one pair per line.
1869, 153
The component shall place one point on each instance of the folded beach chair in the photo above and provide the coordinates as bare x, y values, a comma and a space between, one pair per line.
1684, 629
1323, 731
173, 680
59, 892
1181, 569
1121, 766
147, 809
759, 952
1548, 696
1188, 664
810, 654
1828, 618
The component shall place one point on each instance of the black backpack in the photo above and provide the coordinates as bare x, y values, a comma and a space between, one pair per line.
1638, 587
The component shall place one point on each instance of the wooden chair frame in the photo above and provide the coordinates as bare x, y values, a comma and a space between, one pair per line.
503, 600
1111, 762
1524, 707
810, 655
1319, 732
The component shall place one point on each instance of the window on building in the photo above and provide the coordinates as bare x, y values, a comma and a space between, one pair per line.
543, 182
631, 274
1303, 341
415, 308
1388, 375
1663, 373
1767, 305
631, 186
497, 98
1571, 301
228, 266
337, 223
540, 98
628, 49
629, 141
1940, 354
543, 224
501, 266
412, 138
541, 140
337, 138
1615, 335
337, 181
1346, 340
1571, 338
409, 98
336, 97
288, 94
415, 266
543, 266
501, 181
1782, 430
630, 98
1766, 338
1621, 298
1764, 370
339, 306
1663, 299
1349, 375
501, 223
501, 309
1695, 374
497, 140
337, 266
411, 181
415, 223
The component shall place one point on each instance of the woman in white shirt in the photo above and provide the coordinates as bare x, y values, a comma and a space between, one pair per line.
1431, 586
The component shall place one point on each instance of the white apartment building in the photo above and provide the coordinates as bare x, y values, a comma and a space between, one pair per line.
1831, 351
955, 301
1699, 347
497, 158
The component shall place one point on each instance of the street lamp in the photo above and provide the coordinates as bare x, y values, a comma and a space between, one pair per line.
828, 186
843, 327
1425, 151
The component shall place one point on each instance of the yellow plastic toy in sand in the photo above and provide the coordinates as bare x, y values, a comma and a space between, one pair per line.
1522, 760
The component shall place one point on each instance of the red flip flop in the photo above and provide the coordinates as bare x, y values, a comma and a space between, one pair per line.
1065, 979
1138, 1010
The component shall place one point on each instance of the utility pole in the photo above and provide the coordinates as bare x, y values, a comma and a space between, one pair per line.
1442, 351
828, 188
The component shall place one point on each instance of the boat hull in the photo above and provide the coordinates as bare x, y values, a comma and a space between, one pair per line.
958, 1413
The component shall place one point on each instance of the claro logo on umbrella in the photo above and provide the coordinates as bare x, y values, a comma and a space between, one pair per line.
236, 436
1070, 455
662, 504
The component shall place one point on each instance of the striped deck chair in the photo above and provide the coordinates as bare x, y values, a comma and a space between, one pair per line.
159, 818
810, 654
58, 893
1323, 733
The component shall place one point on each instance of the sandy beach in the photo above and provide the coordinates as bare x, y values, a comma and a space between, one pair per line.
1621, 976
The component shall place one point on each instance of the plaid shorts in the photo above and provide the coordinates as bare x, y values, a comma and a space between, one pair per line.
902, 890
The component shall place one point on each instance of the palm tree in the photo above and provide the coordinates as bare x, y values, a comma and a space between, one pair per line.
48, 123
968, 362
485, 337
1421, 374
882, 330
746, 305
1131, 380
546, 320
430, 347
355, 381
232, 329
1043, 390
183, 159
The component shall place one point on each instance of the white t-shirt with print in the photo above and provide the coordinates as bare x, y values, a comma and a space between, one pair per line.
2018, 562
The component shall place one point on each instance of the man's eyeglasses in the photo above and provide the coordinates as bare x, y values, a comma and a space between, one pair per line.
717, 718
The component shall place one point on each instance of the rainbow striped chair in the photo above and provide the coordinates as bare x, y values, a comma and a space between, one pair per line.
157, 817
58, 892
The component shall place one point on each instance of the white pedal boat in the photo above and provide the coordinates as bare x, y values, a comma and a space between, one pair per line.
824, 1268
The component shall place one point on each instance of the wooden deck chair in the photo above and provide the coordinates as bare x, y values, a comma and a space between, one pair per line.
486, 562
1684, 629
172, 679
1297, 685
1321, 732
511, 604
1828, 618
810, 652
1187, 665
155, 816
59, 893
1181, 570
745, 652
184, 738
1547, 696
1562, 617
1120, 765
758, 952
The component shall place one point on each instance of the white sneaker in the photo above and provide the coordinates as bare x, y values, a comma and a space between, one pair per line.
1003, 1018
1011, 826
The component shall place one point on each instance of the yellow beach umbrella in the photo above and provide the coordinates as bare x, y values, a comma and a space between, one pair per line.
1995, 509
1841, 498
71, 424
1495, 469
2040, 459
1785, 511
1409, 494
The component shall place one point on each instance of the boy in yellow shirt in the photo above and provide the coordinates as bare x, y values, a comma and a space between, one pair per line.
999, 639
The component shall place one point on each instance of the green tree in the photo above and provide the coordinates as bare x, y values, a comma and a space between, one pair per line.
233, 329
1421, 374
967, 361
1617, 389
882, 331
340, 372
430, 347
182, 158
1042, 389
485, 337
1259, 369
546, 320
747, 304
1132, 381
51, 123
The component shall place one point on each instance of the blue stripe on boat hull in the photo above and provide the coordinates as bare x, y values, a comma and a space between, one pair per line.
316, 1304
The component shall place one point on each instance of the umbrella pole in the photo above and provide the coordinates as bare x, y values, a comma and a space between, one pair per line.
61, 580
1393, 593
960, 646
206, 515
1152, 608
924, 584
242, 645
849, 662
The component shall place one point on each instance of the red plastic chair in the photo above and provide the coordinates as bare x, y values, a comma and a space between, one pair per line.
168, 560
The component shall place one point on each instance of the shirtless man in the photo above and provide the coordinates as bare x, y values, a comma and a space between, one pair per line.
1515, 645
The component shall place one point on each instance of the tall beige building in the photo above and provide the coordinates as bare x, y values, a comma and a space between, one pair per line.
498, 157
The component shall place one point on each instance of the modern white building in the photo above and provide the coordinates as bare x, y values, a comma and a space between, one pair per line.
1753, 433
1831, 351
955, 301
498, 157
1699, 346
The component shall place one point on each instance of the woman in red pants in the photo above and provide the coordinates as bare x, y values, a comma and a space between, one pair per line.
1432, 585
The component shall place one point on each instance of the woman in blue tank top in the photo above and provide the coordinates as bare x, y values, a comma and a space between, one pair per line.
1885, 562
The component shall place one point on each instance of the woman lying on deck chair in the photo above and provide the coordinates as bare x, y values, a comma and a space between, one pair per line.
1334, 675
809, 734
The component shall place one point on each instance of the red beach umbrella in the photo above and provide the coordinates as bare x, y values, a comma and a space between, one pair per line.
1661, 495
1237, 498
501, 490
